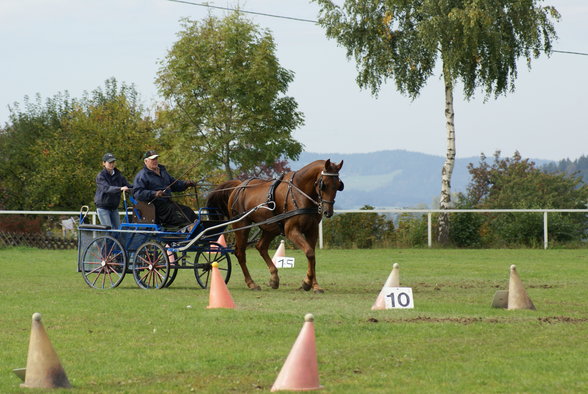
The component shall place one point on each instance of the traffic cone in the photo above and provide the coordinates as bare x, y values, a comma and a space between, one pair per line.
517, 295
392, 281
280, 252
219, 296
43, 367
500, 299
221, 241
300, 371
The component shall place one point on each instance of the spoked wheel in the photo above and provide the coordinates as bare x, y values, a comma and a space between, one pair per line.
104, 263
203, 263
151, 267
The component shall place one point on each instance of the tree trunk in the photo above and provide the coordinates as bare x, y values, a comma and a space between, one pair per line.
447, 171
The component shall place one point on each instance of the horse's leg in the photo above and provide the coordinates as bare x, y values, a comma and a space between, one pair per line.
307, 243
240, 253
262, 246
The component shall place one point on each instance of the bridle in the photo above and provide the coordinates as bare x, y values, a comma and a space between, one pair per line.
319, 184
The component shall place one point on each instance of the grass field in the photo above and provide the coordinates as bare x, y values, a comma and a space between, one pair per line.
133, 340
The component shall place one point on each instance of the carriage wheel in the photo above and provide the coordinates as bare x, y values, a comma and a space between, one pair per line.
104, 263
151, 267
203, 263
174, 264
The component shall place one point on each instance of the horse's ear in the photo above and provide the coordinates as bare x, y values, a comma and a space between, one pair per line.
339, 165
327, 164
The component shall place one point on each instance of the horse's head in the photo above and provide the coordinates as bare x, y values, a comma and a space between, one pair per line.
327, 185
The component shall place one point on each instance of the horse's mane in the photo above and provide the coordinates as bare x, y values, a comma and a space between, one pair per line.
219, 197
311, 167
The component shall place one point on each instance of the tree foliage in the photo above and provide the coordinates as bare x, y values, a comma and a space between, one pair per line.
226, 96
358, 230
54, 149
478, 42
516, 183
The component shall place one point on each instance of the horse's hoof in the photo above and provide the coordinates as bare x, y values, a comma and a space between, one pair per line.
318, 291
274, 284
255, 287
305, 286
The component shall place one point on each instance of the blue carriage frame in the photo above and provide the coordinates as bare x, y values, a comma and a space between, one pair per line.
152, 253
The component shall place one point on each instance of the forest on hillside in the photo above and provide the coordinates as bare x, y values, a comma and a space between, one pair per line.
577, 167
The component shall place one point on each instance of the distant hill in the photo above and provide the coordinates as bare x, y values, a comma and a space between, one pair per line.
393, 178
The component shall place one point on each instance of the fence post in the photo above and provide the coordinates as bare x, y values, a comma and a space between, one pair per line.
321, 234
545, 236
429, 230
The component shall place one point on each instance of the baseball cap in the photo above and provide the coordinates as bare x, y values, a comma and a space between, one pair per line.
109, 157
150, 154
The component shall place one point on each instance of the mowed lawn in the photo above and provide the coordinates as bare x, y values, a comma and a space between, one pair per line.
133, 340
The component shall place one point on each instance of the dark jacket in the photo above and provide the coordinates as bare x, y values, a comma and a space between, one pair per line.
147, 182
108, 189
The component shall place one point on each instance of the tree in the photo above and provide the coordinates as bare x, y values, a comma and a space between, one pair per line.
225, 90
477, 42
56, 147
22, 153
516, 183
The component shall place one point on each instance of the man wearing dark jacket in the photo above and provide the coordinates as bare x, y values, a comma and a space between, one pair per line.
154, 185
109, 185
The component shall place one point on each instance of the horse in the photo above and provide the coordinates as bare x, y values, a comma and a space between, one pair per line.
298, 200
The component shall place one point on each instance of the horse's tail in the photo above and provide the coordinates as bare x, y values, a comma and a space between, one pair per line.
219, 197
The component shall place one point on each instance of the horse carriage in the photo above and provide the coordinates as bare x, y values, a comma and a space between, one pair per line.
151, 253
292, 205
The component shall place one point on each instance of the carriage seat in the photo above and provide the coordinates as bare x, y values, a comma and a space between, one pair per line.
143, 212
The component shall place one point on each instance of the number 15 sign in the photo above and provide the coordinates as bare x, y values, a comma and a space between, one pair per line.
398, 297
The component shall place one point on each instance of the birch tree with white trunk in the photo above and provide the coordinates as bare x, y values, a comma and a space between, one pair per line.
478, 43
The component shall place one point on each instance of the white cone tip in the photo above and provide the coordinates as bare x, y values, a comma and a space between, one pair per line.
37, 316
395, 265
309, 317
513, 267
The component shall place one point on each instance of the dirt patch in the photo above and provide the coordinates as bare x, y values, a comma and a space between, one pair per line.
561, 319
471, 320
541, 286
427, 319
459, 285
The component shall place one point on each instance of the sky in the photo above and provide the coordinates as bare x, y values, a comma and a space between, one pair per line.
53, 46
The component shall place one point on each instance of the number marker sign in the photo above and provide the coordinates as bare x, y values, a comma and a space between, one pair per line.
284, 262
398, 297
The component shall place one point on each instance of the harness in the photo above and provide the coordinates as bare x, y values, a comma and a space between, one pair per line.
270, 202
272, 190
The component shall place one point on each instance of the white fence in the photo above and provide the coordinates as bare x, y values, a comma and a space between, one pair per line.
428, 212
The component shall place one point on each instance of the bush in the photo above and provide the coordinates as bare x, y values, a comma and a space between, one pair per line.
358, 230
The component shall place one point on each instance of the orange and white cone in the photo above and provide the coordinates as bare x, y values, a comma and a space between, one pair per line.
392, 281
219, 296
280, 252
300, 371
221, 241
43, 367
517, 295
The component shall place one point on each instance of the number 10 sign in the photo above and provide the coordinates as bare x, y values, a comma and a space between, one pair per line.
398, 297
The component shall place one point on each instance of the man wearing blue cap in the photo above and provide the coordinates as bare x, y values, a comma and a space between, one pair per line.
109, 185
154, 185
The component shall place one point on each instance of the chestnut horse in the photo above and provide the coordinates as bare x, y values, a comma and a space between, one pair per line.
298, 198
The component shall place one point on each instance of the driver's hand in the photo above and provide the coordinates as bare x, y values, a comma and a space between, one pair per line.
159, 193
